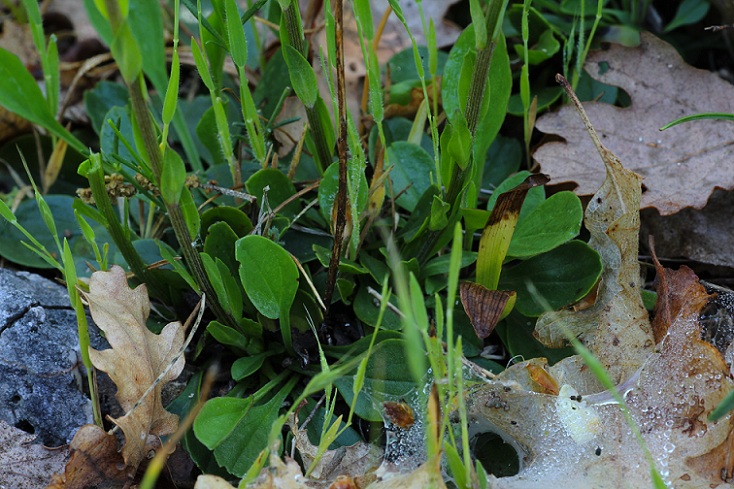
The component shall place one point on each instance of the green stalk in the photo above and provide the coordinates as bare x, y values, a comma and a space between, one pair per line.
144, 122
83, 330
95, 176
494, 15
478, 86
193, 260
294, 29
178, 223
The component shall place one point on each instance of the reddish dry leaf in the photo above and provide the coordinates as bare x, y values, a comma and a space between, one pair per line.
674, 298
681, 166
94, 462
136, 359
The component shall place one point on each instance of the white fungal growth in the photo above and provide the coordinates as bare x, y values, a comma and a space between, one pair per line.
580, 420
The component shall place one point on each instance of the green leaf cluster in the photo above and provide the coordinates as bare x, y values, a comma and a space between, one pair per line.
231, 192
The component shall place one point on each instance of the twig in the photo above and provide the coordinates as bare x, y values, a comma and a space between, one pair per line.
341, 195
379, 297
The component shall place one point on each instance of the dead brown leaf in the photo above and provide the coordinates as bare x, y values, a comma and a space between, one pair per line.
355, 460
94, 462
24, 463
702, 235
18, 40
289, 134
136, 359
681, 166
395, 38
579, 438
616, 327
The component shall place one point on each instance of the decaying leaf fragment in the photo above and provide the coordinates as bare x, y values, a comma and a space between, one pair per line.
680, 166
94, 462
616, 328
23, 463
136, 359
579, 437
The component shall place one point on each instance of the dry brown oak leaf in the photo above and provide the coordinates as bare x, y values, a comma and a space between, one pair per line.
136, 359
681, 166
576, 436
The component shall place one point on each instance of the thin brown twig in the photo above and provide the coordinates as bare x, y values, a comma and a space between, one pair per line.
341, 195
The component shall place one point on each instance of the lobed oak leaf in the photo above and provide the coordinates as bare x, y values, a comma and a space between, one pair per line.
681, 166
579, 437
136, 359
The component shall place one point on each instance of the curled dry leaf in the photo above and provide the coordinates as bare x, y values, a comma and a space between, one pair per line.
616, 328
136, 359
681, 166
94, 462
355, 460
579, 438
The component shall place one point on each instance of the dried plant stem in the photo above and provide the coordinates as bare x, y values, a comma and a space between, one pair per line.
341, 195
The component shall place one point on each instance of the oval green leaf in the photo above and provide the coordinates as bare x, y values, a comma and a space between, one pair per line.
236, 430
329, 187
561, 277
499, 86
550, 224
302, 76
411, 167
280, 189
173, 177
268, 274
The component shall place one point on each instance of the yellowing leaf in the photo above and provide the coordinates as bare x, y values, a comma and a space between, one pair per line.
136, 359
680, 166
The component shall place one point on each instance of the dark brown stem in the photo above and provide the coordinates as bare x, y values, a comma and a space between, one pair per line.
341, 195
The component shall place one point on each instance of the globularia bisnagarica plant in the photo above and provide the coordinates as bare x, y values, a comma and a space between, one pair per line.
298, 254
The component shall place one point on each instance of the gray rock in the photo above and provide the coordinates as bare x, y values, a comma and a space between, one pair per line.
40, 367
